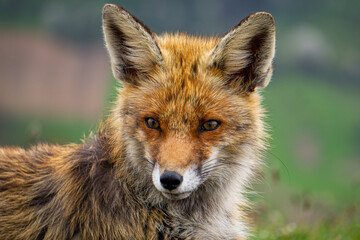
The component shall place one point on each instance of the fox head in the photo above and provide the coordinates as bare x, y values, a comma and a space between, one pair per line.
188, 116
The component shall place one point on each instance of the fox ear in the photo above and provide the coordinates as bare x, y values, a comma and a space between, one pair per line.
131, 45
244, 55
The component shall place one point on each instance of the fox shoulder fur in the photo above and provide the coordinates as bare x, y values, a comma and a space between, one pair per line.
175, 156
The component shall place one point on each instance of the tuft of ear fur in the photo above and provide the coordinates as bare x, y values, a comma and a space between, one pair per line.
244, 55
131, 45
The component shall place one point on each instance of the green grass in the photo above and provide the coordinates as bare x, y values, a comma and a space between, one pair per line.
320, 231
311, 192
326, 120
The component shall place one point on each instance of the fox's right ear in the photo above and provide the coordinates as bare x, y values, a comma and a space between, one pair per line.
131, 45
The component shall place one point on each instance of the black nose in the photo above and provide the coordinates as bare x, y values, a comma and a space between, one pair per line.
170, 180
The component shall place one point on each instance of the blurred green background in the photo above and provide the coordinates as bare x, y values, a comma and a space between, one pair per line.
55, 86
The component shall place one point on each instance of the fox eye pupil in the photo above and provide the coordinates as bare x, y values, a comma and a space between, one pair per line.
210, 125
152, 123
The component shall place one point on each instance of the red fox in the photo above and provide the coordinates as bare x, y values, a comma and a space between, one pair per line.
172, 160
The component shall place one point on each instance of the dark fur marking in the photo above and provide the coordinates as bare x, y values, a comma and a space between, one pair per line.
194, 68
160, 235
4, 186
42, 198
42, 233
181, 60
201, 156
76, 231
242, 127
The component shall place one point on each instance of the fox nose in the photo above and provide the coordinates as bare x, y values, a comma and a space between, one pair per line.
170, 180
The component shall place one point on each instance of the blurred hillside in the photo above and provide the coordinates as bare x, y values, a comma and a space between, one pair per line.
317, 36
55, 84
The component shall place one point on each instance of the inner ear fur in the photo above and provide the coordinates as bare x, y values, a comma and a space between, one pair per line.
130, 43
245, 54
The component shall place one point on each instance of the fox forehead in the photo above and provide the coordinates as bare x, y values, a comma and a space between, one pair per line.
184, 82
183, 53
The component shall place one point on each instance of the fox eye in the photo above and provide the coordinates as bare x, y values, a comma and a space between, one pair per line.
209, 125
152, 123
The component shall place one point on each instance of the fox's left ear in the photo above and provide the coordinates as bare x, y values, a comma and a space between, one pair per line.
131, 45
244, 55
